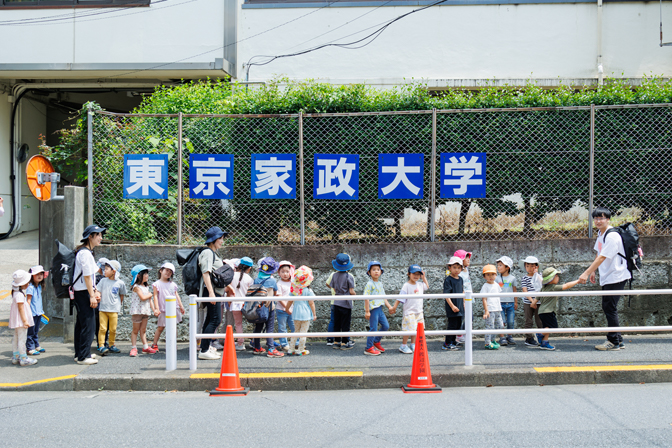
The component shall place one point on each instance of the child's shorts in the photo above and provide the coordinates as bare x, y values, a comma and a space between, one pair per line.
410, 321
138, 318
549, 320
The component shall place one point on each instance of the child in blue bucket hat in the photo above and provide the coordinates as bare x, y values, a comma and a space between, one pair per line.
266, 267
343, 284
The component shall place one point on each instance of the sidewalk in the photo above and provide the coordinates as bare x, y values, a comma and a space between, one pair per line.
575, 361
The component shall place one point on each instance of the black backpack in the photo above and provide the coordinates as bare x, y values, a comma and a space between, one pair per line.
62, 270
191, 271
633, 251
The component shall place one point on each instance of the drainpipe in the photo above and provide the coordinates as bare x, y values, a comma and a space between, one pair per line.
600, 67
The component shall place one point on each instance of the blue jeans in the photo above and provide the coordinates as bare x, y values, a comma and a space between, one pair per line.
377, 318
284, 321
268, 327
509, 316
32, 341
330, 328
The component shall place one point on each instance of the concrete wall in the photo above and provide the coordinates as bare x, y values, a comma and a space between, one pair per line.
572, 256
456, 44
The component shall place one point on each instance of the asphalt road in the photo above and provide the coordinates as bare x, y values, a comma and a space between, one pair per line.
564, 416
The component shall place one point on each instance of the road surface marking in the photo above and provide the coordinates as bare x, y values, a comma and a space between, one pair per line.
29, 383
603, 368
4, 324
5, 293
284, 375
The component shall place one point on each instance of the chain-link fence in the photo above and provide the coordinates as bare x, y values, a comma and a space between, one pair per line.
545, 168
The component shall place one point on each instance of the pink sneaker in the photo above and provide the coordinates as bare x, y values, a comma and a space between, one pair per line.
273, 353
149, 350
134, 352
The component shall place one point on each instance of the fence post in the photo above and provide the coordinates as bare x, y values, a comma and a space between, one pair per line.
468, 324
193, 326
432, 187
180, 193
591, 172
171, 333
89, 146
303, 206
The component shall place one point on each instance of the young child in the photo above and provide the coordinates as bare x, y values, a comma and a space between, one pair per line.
492, 308
163, 288
267, 267
285, 319
19, 319
112, 293
466, 262
373, 309
508, 283
303, 310
453, 284
330, 327
413, 314
34, 296
343, 284
530, 283
548, 305
141, 308
238, 288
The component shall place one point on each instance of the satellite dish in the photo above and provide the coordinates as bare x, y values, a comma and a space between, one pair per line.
42, 180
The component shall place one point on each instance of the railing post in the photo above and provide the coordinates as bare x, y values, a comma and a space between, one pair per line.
591, 172
301, 194
193, 326
89, 147
432, 185
468, 316
180, 185
171, 334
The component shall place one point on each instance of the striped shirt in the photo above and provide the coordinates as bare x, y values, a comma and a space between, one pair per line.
532, 284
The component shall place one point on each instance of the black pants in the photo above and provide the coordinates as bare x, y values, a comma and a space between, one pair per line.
342, 318
454, 323
85, 326
610, 308
213, 317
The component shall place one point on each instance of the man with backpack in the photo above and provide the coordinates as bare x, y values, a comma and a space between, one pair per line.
612, 262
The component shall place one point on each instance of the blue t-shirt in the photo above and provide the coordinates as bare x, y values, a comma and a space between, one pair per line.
36, 301
267, 283
301, 310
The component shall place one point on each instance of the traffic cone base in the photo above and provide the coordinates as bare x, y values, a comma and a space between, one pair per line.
421, 375
229, 381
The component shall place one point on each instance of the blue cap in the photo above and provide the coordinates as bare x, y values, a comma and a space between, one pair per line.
213, 234
138, 268
372, 264
414, 268
92, 229
246, 261
267, 266
342, 262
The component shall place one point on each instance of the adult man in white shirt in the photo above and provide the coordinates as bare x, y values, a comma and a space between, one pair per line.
613, 268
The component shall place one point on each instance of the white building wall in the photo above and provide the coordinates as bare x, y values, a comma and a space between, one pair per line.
5, 185
450, 45
33, 123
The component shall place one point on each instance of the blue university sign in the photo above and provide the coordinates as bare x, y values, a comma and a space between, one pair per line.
463, 175
145, 176
273, 176
400, 176
211, 176
336, 176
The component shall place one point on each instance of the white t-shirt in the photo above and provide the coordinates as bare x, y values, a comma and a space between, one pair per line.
86, 264
283, 291
614, 269
245, 283
493, 302
412, 306
465, 278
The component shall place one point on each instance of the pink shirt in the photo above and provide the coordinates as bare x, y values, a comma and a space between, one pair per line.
15, 320
166, 289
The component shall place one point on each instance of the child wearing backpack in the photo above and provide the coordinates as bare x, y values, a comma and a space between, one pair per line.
19, 319
34, 296
343, 283
141, 308
267, 267
163, 288
238, 288
112, 293
285, 320
303, 310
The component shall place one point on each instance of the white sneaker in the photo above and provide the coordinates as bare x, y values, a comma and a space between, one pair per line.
212, 349
88, 362
405, 349
607, 346
15, 360
208, 355
27, 361
412, 347
240, 347
217, 345
93, 356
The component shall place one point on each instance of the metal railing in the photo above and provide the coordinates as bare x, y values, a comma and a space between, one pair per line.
468, 332
546, 167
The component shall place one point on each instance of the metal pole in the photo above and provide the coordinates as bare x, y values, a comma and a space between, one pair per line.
171, 333
303, 205
432, 185
89, 145
591, 172
180, 193
468, 323
193, 328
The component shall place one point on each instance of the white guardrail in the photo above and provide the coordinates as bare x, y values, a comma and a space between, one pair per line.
468, 332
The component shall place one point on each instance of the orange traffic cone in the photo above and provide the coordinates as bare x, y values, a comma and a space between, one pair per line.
229, 381
421, 376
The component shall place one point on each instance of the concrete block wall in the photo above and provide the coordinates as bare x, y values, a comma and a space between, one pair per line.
571, 256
